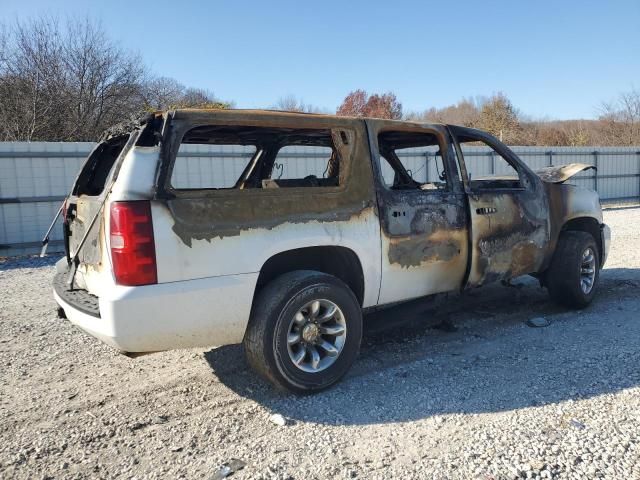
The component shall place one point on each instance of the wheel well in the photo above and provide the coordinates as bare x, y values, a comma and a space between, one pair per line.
340, 262
589, 225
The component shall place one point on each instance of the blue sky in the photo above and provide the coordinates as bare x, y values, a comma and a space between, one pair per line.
556, 59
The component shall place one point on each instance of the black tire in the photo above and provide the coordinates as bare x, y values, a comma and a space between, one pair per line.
265, 341
563, 278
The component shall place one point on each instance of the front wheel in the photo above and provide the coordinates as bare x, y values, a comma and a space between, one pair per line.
573, 275
305, 330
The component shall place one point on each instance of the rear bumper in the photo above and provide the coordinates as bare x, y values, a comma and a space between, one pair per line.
80, 299
194, 313
605, 232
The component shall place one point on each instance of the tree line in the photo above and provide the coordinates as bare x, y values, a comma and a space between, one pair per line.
68, 81
617, 124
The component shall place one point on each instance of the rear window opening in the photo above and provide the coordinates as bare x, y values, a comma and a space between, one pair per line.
241, 157
96, 170
202, 166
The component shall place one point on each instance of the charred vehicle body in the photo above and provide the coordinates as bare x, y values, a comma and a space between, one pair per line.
164, 253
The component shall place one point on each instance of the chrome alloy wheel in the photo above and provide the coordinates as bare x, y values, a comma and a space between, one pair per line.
316, 336
587, 270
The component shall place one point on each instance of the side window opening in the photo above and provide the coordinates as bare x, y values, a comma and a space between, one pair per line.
305, 165
227, 157
96, 170
486, 168
412, 160
206, 166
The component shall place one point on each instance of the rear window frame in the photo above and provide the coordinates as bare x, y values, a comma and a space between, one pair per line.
115, 167
178, 128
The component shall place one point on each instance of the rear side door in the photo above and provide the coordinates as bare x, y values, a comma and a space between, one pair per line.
507, 207
422, 210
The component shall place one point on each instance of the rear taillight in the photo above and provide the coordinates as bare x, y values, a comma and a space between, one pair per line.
133, 250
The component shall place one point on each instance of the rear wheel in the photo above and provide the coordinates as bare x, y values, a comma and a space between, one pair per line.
305, 330
573, 275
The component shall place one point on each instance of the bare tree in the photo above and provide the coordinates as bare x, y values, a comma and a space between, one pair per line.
499, 117
103, 81
65, 82
545, 134
162, 93
621, 119
466, 113
291, 103
30, 80
200, 98
69, 81
578, 134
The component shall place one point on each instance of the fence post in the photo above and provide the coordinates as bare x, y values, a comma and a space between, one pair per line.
426, 165
638, 154
595, 176
550, 153
493, 162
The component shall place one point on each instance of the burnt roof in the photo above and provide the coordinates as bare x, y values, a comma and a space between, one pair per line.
187, 113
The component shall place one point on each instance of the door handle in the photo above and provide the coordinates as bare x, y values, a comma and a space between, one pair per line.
486, 210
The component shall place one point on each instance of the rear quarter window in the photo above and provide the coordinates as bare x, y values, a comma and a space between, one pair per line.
301, 161
203, 166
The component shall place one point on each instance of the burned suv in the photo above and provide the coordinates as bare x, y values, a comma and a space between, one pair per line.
203, 227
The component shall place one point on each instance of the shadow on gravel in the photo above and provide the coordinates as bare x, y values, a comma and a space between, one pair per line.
31, 261
471, 354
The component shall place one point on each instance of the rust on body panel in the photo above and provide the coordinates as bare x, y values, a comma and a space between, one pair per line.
512, 241
507, 254
424, 228
204, 219
424, 213
441, 246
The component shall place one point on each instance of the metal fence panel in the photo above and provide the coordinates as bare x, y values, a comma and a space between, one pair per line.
35, 177
210, 166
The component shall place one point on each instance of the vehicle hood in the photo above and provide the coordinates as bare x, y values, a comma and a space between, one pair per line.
562, 173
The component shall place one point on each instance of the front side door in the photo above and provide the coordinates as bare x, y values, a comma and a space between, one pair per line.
507, 206
422, 210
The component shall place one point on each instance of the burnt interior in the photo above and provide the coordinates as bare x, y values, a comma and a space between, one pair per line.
268, 141
390, 142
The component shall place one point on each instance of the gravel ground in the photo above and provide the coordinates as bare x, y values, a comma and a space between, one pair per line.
494, 399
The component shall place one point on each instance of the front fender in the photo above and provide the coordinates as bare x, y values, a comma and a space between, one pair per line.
569, 204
